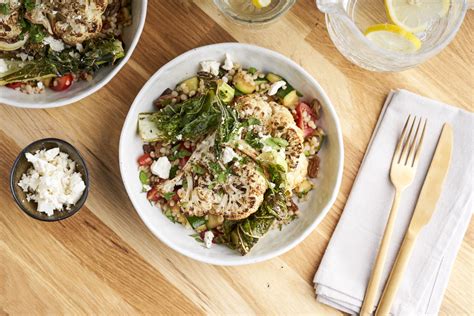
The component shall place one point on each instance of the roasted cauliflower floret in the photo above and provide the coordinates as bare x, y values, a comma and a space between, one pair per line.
10, 27
203, 193
254, 106
72, 21
283, 126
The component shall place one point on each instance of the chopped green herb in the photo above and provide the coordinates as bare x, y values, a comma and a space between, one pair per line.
4, 8
173, 171
170, 216
253, 140
168, 195
251, 121
180, 154
29, 4
196, 221
252, 70
197, 237
197, 169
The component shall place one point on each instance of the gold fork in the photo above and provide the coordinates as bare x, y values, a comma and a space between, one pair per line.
402, 172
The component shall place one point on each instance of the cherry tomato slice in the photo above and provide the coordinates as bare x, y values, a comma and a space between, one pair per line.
152, 195
302, 108
145, 160
14, 85
61, 83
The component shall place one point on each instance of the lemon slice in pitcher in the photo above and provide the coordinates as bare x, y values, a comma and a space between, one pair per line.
393, 37
415, 15
261, 3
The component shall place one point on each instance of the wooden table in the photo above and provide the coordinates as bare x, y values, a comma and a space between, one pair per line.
104, 260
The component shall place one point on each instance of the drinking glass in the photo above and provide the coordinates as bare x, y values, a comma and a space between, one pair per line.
346, 21
245, 12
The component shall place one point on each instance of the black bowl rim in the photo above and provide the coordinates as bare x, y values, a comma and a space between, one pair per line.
12, 185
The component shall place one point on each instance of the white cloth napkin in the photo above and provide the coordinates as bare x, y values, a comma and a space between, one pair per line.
344, 272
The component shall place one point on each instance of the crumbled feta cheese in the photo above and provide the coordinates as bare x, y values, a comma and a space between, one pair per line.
52, 181
3, 66
40, 85
228, 154
179, 137
56, 45
211, 66
161, 167
23, 56
79, 47
228, 64
275, 87
208, 237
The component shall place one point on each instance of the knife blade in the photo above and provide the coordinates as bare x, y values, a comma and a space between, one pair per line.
434, 180
424, 209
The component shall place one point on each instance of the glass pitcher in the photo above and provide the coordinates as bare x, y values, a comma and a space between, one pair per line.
346, 21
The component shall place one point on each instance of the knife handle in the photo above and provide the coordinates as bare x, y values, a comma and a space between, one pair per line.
396, 275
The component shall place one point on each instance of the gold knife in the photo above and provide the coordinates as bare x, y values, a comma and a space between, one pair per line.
424, 209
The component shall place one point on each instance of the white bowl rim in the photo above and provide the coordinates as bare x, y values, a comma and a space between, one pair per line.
96, 87
242, 260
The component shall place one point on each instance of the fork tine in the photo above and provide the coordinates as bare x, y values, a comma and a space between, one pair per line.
404, 155
411, 151
398, 150
420, 144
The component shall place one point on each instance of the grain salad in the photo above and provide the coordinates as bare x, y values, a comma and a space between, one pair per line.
50, 44
230, 152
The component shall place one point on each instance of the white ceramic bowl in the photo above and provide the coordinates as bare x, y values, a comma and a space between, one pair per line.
82, 89
276, 242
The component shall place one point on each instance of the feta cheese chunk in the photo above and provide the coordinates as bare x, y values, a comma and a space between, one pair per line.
56, 45
211, 66
228, 64
52, 181
161, 167
276, 86
3, 66
228, 154
208, 237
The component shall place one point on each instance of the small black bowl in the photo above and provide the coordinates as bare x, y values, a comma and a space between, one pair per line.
21, 165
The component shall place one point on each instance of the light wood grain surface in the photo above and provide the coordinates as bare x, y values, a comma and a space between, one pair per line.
103, 260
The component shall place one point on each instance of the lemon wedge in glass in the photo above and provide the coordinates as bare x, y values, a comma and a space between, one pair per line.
415, 15
393, 37
261, 3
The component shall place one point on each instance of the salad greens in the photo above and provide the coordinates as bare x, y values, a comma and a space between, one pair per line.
52, 64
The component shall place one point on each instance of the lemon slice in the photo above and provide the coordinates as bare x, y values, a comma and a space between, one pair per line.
393, 37
261, 3
415, 15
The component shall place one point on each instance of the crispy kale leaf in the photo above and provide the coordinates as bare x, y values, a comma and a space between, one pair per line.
244, 234
96, 53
